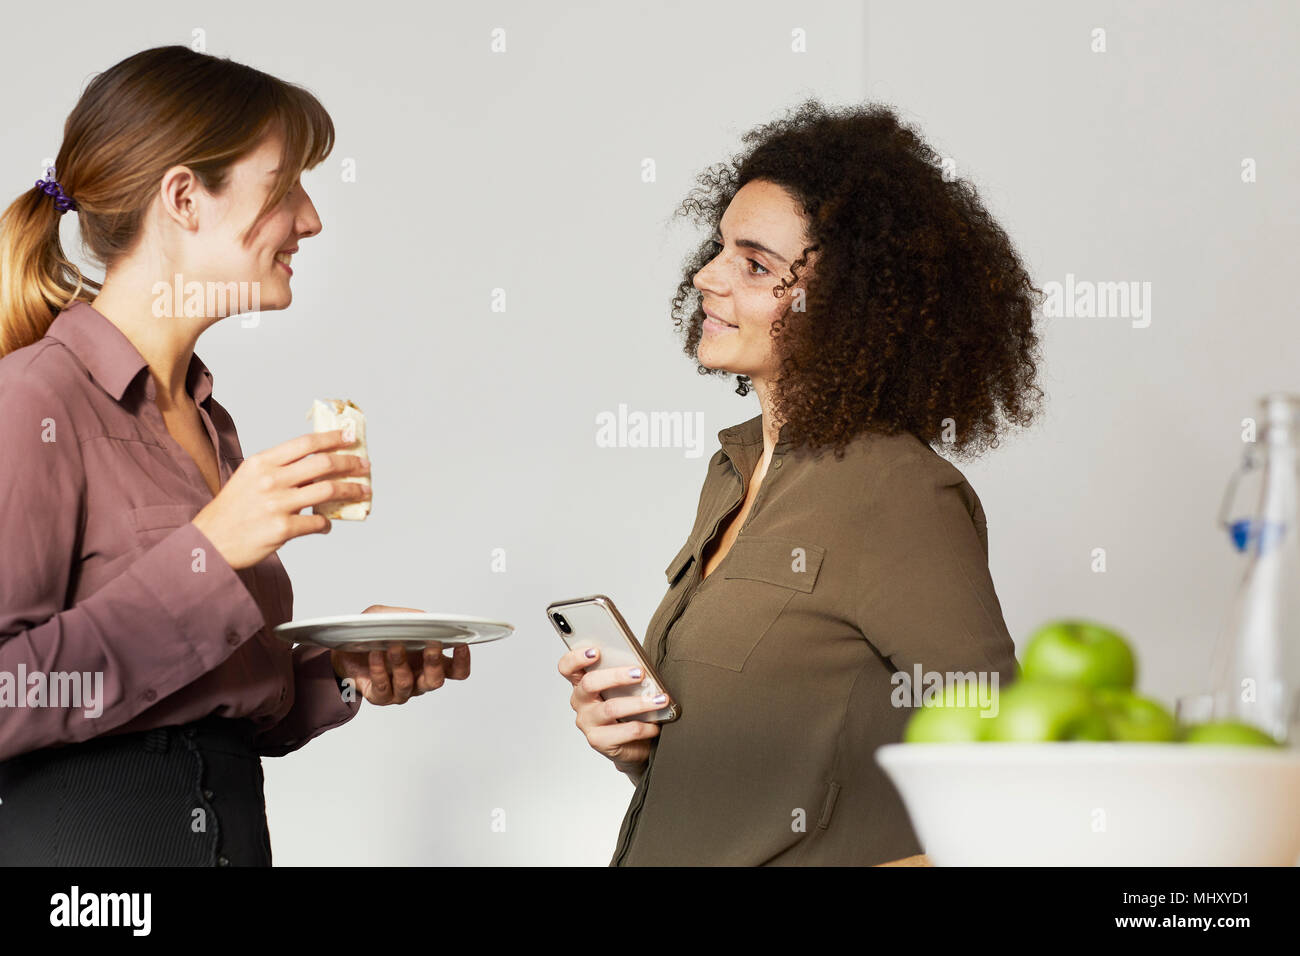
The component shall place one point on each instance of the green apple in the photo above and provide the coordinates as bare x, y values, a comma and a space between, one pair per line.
1037, 710
1133, 717
1081, 652
1234, 732
946, 720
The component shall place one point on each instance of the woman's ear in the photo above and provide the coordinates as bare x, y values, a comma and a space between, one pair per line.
179, 194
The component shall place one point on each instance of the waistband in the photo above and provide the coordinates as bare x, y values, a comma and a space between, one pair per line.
219, 734
223, 734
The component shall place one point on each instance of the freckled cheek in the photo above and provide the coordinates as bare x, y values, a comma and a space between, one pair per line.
756, 317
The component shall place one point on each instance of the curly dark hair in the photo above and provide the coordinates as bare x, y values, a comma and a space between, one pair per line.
916, 308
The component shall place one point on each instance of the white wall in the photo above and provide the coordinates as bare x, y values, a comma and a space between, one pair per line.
522, 171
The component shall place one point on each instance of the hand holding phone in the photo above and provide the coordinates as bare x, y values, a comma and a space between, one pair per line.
617, 696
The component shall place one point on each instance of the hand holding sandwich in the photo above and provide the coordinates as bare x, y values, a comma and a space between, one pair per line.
256, 511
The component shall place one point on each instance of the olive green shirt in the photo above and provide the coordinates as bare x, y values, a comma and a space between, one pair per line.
844, 572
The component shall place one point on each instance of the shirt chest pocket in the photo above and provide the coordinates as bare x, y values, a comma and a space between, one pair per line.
678, 582
152, 523
679, 564
746, 595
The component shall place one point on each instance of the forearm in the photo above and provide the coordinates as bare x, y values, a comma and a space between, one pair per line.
634, 772
138, 639
319, 704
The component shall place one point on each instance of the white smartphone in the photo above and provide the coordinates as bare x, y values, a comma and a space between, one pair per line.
595, 622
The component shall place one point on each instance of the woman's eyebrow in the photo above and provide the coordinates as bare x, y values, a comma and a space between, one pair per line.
753, 244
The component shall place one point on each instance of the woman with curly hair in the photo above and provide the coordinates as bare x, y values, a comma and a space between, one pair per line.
836, 558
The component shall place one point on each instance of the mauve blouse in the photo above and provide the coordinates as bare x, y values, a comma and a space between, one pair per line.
102, 571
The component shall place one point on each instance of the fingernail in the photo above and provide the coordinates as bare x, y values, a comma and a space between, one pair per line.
591, 652
661, 699
634, 672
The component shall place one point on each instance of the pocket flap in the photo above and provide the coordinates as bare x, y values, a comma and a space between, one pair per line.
678, 564
151, 517
787, 562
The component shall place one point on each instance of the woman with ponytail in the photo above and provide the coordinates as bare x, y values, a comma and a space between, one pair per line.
140, 683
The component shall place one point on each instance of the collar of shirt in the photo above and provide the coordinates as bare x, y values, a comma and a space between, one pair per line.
743, 444
109, 356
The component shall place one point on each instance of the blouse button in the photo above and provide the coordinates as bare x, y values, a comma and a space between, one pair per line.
150, 694
232, 638
777, 463
223, 861
283, 691
207, 795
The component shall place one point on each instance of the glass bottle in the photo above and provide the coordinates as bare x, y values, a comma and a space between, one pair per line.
1255, 674
1242, 496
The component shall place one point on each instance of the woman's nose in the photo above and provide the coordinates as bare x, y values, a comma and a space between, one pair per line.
706, 280
309, 223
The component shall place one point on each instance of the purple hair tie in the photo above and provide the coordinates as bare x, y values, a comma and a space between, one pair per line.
62, 201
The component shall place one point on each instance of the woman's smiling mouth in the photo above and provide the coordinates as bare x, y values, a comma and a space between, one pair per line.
283, 258
714, 324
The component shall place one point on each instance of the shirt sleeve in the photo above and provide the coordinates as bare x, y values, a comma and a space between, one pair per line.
927, 598
171, 616
318, 704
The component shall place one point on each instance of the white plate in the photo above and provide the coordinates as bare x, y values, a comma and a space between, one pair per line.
365, 632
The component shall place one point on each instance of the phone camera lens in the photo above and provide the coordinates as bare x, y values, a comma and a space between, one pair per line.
561, 623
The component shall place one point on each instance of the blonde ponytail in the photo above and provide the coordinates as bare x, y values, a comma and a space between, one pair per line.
37, 281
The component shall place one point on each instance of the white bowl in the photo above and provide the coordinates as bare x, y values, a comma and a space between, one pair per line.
1099, 804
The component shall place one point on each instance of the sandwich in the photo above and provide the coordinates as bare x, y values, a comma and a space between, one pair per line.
335, 413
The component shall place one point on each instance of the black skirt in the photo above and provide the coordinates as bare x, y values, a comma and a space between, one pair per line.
189, 795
